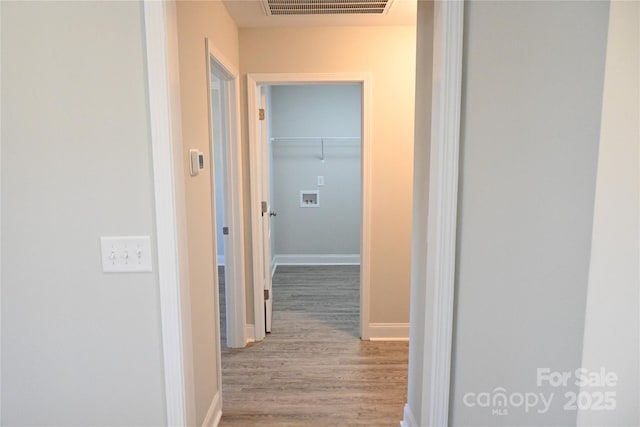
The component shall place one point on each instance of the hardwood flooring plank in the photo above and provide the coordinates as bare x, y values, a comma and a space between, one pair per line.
313, 370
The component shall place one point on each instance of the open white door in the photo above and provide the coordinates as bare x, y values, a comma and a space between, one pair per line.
267, 212
261, 212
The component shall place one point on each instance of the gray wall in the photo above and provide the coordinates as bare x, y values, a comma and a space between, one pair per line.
532, 96
313, 111
79, 347
612, 325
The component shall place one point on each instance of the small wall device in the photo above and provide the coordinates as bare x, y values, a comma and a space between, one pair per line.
196, 161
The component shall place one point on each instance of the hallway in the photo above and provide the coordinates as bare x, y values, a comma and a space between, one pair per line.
313, 369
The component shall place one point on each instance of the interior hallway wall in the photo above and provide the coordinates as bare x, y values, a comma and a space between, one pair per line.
197, 20
388, 53
311, 111
79, 347
533, 77
612, 323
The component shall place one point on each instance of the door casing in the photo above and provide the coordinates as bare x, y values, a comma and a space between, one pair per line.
254, 81
233, 209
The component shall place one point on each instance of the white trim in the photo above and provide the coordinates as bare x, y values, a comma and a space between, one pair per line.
433, 338
160, 26
324, 259
0, 225
214, 414
638, 236
367, 185
233, 259
255, 208
409, 420
365, 79
389, 331
236, 215
443, 202
250, 332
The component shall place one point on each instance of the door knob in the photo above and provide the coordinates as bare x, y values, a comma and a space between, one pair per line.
273, 213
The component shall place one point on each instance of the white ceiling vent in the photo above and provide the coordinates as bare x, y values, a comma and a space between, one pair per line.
325, 7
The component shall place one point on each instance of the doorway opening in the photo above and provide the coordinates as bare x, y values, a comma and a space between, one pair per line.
309, 179
314, 156
226, 185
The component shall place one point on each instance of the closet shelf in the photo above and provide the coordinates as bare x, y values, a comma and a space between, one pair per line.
315, 138
320, 139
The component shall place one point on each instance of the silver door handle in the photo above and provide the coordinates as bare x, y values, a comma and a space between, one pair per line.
273, 213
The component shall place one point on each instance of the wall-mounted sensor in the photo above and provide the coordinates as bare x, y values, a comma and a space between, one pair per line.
196, 161
309, 199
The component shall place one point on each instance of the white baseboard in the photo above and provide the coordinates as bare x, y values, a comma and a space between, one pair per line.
389, 331
408, 420
250, 333
324, 259
214, 413
221, 260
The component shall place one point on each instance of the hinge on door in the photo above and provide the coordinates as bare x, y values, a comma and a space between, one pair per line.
264, 207
261, 114
266, 294
225, 231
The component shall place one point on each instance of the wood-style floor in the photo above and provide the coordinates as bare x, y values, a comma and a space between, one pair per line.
312, 369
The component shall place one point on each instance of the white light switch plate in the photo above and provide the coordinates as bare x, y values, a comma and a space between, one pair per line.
124, 254
320, 180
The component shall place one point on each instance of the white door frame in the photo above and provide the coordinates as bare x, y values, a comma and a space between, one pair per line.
233, 209
0, 233
266, 218
161, 39
432, 385
253, 82
435, 218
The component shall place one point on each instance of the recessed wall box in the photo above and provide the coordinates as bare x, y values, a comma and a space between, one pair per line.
309, 198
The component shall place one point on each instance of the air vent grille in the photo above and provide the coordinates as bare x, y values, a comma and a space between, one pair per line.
325, 7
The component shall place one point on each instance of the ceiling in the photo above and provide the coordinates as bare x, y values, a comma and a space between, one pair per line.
250, 13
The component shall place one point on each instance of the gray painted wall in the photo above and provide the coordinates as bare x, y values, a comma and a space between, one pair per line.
612, 325
79, 347
313, 111
532, 97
